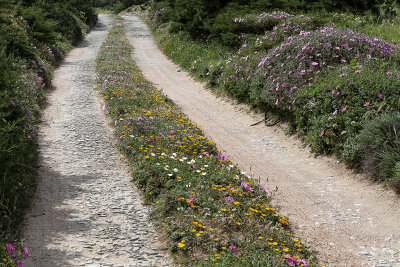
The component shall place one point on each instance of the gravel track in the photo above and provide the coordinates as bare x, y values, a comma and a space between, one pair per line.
86, 211
346, 219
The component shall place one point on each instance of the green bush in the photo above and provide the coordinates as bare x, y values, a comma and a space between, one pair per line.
379, 148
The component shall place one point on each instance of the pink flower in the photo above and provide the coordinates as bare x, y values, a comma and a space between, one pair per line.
322, 133
265, 190
171, 133
178, 143
388, 73
121, 137
344, 109
192, 166
205, 153
314, 64
222, 157
26, 251
366, 104
357, 71
335, 112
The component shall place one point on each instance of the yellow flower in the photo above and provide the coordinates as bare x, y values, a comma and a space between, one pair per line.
260, 237
198, 234
216, 239
194, 230
235, 203
238, 223
181, 245
285, 249
223, 247
211, 229
223, 209
206, 259
277, 249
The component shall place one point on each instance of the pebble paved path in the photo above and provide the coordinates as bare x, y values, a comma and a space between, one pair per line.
86, 211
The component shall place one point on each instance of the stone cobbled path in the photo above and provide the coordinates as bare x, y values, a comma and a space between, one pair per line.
86, 211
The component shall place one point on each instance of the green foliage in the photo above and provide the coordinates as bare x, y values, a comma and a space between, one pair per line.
379, 148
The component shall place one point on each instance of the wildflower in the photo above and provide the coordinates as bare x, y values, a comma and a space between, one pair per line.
178, 143
19, 264
314, 64
171, 133
222, 157
335, 112
322, 133
192, 166
10, 249
229, 199
120, 138
265, 190
366, 104
344, 109
388, 73
357, 71
233, 248
181, 245
191, 198
380, 95
105, 105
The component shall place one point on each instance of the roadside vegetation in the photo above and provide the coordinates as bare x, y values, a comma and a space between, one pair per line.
332, 75
34, 37
209, 211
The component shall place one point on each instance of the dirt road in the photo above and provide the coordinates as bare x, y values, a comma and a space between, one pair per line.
347, 220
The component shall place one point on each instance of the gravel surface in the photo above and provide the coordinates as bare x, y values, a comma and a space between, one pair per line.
347, 220
86, 211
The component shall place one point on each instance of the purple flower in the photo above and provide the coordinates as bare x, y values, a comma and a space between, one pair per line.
233, 248
19, 264
120, 138
357, 71
10, 249
105, 105
265, 190
192, 165
380, 95
150, 140
247, 187
171, 133
314, 64
388, 73
229, 199
178, 143
322, 133
26, 251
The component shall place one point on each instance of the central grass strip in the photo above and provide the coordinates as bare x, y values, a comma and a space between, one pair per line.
211, 212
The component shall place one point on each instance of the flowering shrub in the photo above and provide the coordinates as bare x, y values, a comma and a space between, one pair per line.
210, 211
336, 107
325, 81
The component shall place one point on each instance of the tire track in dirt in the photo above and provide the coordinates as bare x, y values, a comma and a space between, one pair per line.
346, 219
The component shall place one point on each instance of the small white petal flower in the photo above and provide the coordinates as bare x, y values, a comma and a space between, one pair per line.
175, 170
